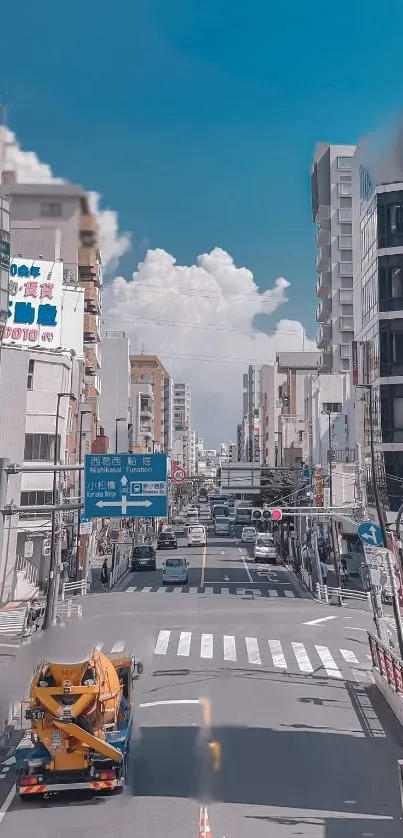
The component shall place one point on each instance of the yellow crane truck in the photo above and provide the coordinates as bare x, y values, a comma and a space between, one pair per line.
80, 725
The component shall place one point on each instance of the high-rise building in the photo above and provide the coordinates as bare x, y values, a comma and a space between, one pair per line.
183, 423
332, 213
149, 369
115, 398
168, 413
378, 316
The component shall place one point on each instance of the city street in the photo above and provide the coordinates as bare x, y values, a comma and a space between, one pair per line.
307, 746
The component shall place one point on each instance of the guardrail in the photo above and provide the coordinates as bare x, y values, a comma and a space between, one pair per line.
328, 594
388, 665
79, 588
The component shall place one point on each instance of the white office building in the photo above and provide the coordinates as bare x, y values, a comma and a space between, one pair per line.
332, 213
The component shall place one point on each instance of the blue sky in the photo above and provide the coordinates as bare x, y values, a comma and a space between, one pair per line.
197, 121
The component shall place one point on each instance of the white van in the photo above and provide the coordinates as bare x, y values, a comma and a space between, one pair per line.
197, 535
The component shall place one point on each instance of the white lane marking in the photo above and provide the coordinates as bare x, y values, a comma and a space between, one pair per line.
277, 654
225, 591
184, 643
272, 592
162, 589
349, 656
247, 571
240, 549
329, 663
256, 593
170, 702
289, 594
99, 646
161, 645
320, 620
118, 646
355, 628
7, 803
146, 590
240, 591
229, 648
193, 590
131, 589
302, 658
252, 648
206, 646
209, 590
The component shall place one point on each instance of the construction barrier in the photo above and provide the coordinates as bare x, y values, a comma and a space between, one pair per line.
388, 665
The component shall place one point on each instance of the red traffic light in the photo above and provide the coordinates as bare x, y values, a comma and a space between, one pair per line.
276, 514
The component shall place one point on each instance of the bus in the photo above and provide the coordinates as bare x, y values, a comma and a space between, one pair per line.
220, 510
243, 515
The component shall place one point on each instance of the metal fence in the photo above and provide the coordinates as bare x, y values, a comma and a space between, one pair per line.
386, 663
76, 588
327, 595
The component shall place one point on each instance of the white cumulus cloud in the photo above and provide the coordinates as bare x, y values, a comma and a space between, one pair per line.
29, 169
199, 320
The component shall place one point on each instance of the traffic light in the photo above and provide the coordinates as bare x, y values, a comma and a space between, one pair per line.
266, 514
276, 514
257, 514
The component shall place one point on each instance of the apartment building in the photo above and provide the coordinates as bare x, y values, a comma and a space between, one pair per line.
182, 410
149, 369
331, 189
292, 367
378, 314
115, 397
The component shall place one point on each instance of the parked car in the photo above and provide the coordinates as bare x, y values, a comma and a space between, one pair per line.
265, 549
249, 535
197, 535
175, 571
179, 526
143, 558
167, 540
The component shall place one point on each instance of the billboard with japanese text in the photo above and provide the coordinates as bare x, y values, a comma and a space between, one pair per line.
35, 303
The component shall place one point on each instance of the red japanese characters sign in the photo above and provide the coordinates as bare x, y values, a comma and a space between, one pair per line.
35, 303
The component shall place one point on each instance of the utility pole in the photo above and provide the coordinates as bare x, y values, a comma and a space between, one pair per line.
4, 462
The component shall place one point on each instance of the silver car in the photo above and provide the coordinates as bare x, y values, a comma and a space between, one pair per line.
249, 535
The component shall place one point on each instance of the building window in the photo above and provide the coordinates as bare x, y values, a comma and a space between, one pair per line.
38, 498
390, 279
391, 347
390, 219
40, 447
52, 210
392, 413
344, 163
30, 379
331, 407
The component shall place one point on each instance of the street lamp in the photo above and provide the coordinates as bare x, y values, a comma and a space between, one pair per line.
80, 456
120, 419
329, 432
53, 586
335, 544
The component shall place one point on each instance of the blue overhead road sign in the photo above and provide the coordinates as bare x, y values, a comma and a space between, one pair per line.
125, 486
370, 533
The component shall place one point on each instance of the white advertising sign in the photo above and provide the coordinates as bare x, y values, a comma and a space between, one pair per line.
35, 303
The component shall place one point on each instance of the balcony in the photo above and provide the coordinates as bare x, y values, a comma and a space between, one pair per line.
345, 215
146, 430
324, 284
344, 190
345, 242
343, 455
91, 329
324, 310
325, 362
346, 296
322, 237
91, 362
323, 259
146, 407
323, 213
324, 336
93, 384
92, 302
88, 231
88, 264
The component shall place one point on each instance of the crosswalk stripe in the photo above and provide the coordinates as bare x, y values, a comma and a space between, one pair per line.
302, 658
146, 590
118, 646
206, 646
348, 656
252, 648
257, 592
289, 593
184, 643
229, 648
240, 591
193, 590
277, 654
273, 592
225, 591
329, 663
131, 589
99, 646
209, 590
162, 589
161, 645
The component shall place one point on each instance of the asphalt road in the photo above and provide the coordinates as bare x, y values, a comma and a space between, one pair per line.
308, 748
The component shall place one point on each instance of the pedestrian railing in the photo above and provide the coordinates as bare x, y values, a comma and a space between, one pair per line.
329, 594
306, 578
118, 571
386, 664
78, 588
